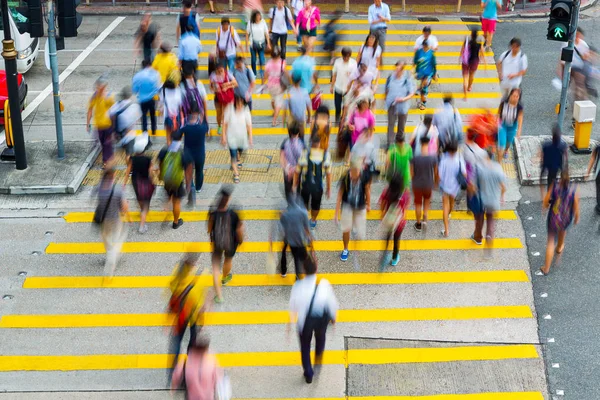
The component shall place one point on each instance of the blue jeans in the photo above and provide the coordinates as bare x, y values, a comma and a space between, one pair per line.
506, 135
298, 36
197, 156
261, 56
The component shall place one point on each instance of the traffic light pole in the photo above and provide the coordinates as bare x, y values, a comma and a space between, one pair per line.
567, 69
55, 80
10, 62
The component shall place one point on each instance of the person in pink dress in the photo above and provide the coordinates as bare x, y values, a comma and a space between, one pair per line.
274, 70
307, 22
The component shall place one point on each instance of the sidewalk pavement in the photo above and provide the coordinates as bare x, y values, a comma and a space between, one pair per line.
45, 173
533, 9
527, 152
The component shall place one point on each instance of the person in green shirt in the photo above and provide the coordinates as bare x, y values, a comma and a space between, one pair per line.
399, 156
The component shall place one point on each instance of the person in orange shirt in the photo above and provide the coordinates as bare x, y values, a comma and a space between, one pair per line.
167, 64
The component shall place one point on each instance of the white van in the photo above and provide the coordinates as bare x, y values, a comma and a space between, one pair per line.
26, 46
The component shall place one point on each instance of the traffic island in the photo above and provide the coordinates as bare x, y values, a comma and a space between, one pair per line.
528, 156
46, 174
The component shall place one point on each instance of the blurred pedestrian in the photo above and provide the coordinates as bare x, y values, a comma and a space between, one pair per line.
249, 7
425, 71
304, 67
147, 38
369, 54
510, 121
125, 115
353, 203
187, 18
237, 134
393, 203
307, 22
321, 126
579, 66
189, 48
226, 231
186, 307
258, 41
474, 155
146, 85
366, 149
424, 173
245, 79
175, 166
140, 167
452, 171
193, 93
294, 228
281, 21
398, 161
594, 165
223, 84
171, 99
99, 104
448, 122
167, 64
489, 17
471, 53
314, 166
313, 306
562, 203
512, 66
399, 91
331, 35
296, 6
111, 204
360, 120
277, 79
425, 128
343, 68
299, 104
194, 133
291, 151
426, 36
227, 43
379, 15
491, 186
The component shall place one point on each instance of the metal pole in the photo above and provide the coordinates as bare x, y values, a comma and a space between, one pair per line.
10, 61
567, 70
55, 82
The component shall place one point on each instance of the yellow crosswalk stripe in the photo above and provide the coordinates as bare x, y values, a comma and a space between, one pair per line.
381, 96
445, 67
365, 32
463, 111
270, 359
365, 22
249, 280
340, 43
468, 396
264, 317
270, 215
263, 247
387, 54
381, 81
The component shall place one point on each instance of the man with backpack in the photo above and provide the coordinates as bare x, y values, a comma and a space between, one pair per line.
448, 122
174, 167
512, 66
313, 306
187, 18
399, 91
228, 41
294, 226
226, 231
125, 114
281, 22
312, 166
246, 81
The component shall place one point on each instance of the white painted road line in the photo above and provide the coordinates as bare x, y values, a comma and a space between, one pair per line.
72, 67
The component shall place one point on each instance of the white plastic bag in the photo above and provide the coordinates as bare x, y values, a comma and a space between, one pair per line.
223, 388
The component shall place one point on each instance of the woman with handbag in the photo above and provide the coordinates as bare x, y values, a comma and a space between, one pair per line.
140, 167
278, 80
452, 179
222, 84
257, 34
307, 22
470, 55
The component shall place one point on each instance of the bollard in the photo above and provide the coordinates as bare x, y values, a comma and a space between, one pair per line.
8, 154
584, 114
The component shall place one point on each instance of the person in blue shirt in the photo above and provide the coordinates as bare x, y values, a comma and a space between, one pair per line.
189, 48
399, 91
304, 66
489, 16
146, 84
379, 16
425, 68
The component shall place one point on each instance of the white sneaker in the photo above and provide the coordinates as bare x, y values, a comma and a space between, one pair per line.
557, 84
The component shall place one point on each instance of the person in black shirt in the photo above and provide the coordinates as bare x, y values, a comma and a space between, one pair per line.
147, 37
194, 135
140, 167
554, 158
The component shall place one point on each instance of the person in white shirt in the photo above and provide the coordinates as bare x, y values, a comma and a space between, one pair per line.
379, 15
512, 66
581, 54
228, 42
296, 6
312, 307
281, 20
257, 40
431, 40
370, 54
343, 68
237, 133
171, 101
125, 115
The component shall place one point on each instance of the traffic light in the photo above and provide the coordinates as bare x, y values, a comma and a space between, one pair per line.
68, 18
559, 26
35, 13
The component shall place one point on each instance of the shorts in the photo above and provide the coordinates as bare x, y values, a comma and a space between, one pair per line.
488, 25
311, 33
354, 219
276, 96
421, 194
217, 254
233, 153
314, 198
178, 193
471, 67
506, 135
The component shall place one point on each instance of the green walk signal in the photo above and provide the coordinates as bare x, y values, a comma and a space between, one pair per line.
561, 15
559, 33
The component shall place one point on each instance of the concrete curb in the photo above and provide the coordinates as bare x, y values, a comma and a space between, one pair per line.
83, 170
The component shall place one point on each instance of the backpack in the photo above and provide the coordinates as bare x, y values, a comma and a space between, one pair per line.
190, 96
285, 14
178, 306
223, 237
313, 180
191, 20
560, 213
120, 130
171, 171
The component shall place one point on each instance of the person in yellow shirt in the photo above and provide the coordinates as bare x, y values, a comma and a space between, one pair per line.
186, 304
100, 102
167, 64
322, 126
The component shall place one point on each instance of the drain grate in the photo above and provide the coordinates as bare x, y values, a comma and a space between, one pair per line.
470, 19
428, 19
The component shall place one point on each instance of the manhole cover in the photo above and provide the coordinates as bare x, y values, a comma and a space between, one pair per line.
7, 297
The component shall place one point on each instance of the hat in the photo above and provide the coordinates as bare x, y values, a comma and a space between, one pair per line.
140, 143
125, 93
166, 46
